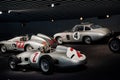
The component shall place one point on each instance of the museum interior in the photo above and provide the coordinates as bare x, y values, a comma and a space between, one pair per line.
57, 19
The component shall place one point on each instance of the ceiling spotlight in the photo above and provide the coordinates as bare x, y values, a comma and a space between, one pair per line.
9, 11
81, 18
52, 20
52, 5
107, 16
0, 12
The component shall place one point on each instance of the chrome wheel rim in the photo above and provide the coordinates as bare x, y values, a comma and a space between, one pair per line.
114, 45
87, 40
3, 49
59, 40
12, 64
44, 65
28, 48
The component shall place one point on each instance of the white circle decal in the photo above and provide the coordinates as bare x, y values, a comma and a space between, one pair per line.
76, 35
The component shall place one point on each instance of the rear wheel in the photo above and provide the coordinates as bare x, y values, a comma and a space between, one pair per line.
114, 45
3, 49
28, 48
87, 40
47, 64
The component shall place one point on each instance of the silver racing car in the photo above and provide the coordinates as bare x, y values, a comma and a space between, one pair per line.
61, 56
84, 32
26, 43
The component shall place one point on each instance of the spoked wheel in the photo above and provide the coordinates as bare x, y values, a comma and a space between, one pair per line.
47, 64
114, 45
44, 65
87, 40
3, 49
28, 48
59, 40
12, 63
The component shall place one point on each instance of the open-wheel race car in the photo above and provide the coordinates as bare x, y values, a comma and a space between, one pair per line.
26, 43
61, 57
114, 44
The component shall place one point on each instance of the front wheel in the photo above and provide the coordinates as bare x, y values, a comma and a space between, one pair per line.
87, 40
12, 63
3, 49
47, 64
114, 45
28, 48
59, 40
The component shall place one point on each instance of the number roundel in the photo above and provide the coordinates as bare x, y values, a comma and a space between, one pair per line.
76, 35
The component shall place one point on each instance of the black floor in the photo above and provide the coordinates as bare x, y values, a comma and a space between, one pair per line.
102, 65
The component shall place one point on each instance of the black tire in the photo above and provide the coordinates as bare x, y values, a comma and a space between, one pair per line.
12, 63
59, 40
3, 49
87, 40
28, 47
46, 64
114, 45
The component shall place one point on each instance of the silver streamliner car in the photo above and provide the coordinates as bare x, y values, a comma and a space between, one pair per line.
24, 43
84, 32
62, 56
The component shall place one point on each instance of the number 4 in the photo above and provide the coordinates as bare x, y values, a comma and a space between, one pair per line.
76, 35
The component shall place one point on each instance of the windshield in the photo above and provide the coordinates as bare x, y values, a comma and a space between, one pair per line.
96, 26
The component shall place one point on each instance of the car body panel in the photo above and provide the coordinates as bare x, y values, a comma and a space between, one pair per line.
50, 41
43, 36
14, 43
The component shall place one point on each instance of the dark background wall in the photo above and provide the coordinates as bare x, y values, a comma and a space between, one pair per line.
12, 29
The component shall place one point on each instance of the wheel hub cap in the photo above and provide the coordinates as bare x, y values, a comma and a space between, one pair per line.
87, 40
29, 48
12, 65
114, 45
3, 49
44, 65
60, 40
